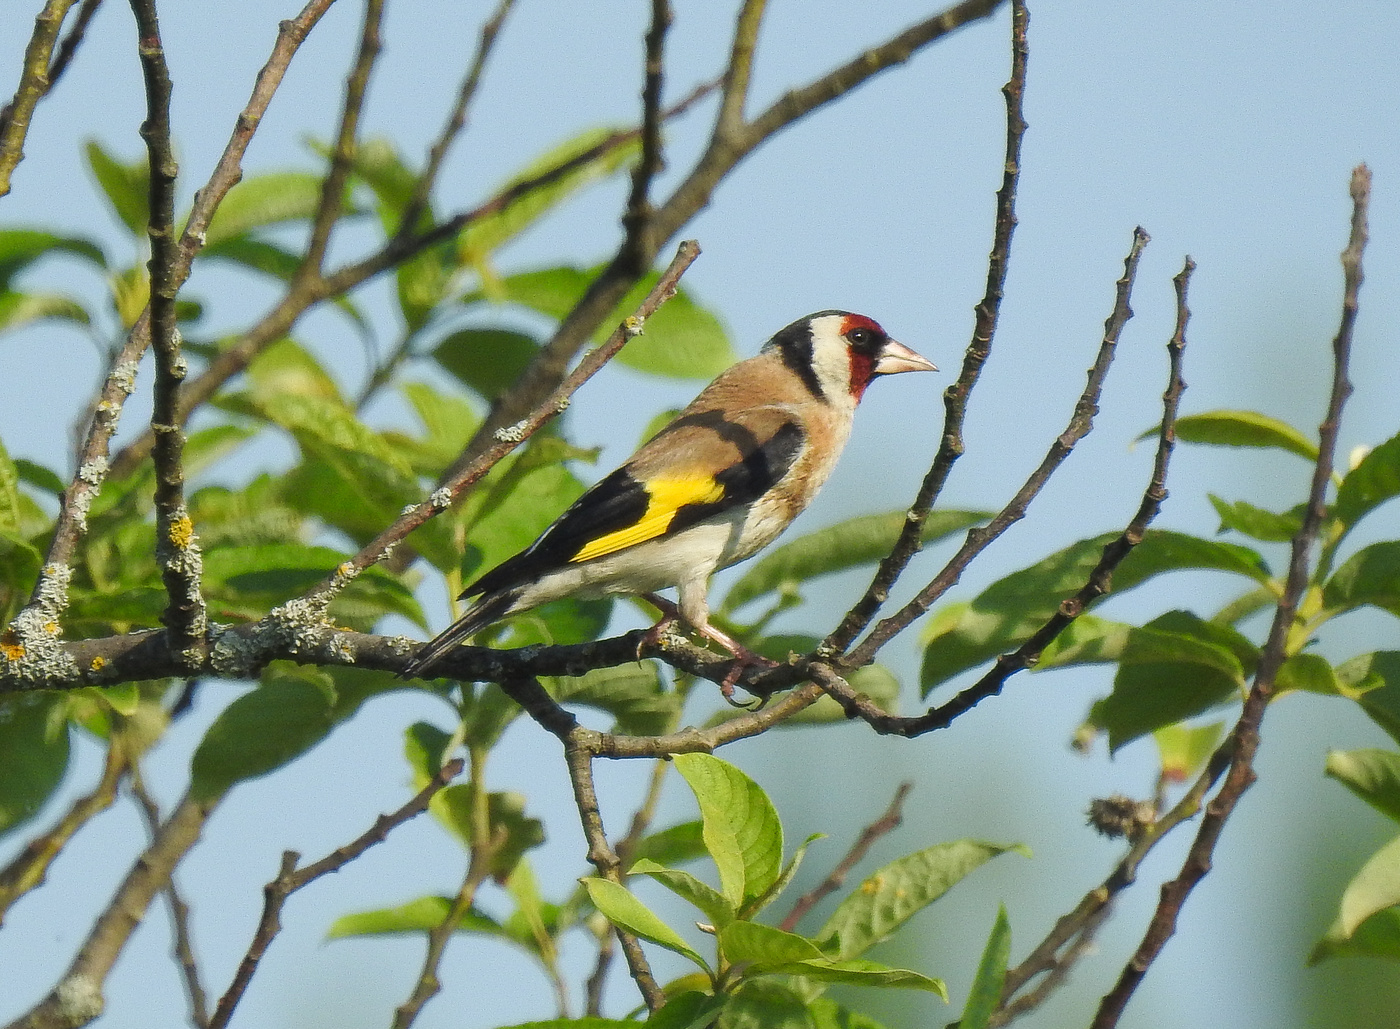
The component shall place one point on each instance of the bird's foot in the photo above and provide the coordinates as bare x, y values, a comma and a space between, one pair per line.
743, 656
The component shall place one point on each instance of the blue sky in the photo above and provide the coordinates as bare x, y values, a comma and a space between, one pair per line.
1227, 130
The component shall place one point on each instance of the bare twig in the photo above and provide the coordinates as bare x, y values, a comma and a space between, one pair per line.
68, 47
456, 121
636, 220
34, 82
179, 916
1244, 740
887, 823
978, 350
177, 551
604, 858
290, 878
343, 153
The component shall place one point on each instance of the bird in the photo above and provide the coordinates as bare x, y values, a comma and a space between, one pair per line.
716, 485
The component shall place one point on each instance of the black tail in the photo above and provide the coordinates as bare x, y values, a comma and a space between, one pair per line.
489, 609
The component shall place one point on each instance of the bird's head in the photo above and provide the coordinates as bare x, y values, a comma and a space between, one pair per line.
837, 353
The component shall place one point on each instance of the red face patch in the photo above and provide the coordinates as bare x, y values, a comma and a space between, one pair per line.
864, 338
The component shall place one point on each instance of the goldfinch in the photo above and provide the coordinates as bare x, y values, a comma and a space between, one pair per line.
716, 485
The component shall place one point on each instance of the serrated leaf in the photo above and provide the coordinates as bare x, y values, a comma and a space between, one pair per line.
127, 187
34, 748
270, 198
984, 996
1373, 775
1371, 483
742, 831
285, 716
416, 916
1241, 429
899, 890
1256, 522
1370, 576
1374, 888
621, 908
483, 236
1376, 937
848, 544
489, 361
690, 889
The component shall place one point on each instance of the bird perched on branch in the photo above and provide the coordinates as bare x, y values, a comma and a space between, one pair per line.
715, 486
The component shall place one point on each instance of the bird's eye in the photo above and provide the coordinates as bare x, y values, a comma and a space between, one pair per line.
859, 337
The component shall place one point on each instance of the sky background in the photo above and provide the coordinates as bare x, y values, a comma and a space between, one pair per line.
1227, 130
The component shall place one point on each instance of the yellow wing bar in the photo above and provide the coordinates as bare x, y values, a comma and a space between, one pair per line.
664, 498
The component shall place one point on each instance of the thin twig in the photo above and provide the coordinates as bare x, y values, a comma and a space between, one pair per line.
346, 142
290, 878
68, 47
979, 349
456, 120
1244, 740
605, 859
636, 219
887, 823
34, 82
179, 916
177, 551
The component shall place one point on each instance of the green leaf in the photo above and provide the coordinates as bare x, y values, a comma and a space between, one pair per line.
286, 368
621, 908
1241, 429
673, 845
455, 807
261, 731
765, 948
127, 187
1256, 522
11, 514
856, 541
19, 248
899, 890
764, 1004
742, 831
825, 1013
416, 916
984, 997
690, 889
632, 694
268, 199
1310, 672
489, 361
1176, 666
1012, 609
681, 340
448, 423
688, 1010
1185, 749
1376, 937
863, 973
1374, 888
39, 476
33, 753
1371, 483
1370, 576
20, 309
1376, 677
1373, 775
487, 234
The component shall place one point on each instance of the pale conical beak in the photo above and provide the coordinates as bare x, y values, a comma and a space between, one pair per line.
896, 357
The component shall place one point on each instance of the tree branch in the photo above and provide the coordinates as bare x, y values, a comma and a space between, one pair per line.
1244, 740
34, 81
